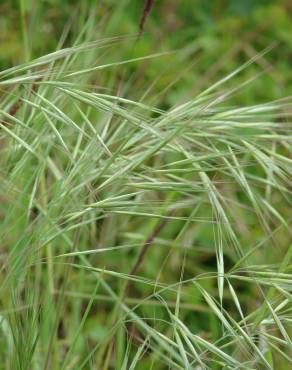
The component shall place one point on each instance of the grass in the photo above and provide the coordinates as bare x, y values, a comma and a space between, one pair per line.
135, 236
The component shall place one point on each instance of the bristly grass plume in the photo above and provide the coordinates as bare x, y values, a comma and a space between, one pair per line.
139, 237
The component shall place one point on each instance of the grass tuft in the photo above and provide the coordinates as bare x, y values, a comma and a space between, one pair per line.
135, 236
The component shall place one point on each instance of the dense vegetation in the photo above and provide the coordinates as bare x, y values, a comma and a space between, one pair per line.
145, 185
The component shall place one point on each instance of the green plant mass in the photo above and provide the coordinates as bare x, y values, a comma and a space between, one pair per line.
145, 185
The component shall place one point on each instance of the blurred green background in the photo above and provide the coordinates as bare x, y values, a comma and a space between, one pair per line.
218, 36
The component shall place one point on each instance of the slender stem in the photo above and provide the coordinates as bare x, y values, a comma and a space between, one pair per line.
24, 31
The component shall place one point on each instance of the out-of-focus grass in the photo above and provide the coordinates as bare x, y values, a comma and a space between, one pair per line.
145, 199
220, 35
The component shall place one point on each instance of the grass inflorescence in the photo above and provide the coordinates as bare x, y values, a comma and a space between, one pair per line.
135, 236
